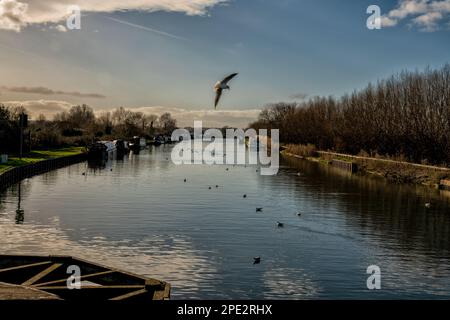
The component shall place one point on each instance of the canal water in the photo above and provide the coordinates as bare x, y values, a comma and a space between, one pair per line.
138, 214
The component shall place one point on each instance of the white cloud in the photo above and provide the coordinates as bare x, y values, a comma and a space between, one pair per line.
12, 15
428, 21
61, 28
210, 118
36, 107
425, 14
185, 118
17, 14
409, 7
388, 22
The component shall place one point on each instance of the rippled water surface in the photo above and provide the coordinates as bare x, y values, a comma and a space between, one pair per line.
138, 214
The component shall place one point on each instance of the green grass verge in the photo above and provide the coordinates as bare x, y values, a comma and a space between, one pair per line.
39, 155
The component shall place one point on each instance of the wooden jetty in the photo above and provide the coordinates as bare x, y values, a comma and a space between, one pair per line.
46, 277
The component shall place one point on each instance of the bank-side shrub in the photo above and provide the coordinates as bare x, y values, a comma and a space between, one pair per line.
308, 150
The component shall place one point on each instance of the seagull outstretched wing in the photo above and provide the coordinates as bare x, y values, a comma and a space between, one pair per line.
218, 94
227, 79
220, 86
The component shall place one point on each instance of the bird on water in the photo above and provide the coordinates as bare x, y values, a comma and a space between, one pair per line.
220, 86
280, 224
256, 260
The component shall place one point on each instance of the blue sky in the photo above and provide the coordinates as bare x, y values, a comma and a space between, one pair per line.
279, 47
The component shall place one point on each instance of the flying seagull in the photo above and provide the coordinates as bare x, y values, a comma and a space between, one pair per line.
220, 86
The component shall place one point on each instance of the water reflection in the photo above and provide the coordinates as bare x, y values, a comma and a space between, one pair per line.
97, 164
190, 269
20, 213
138, 214
391, 211
288, 283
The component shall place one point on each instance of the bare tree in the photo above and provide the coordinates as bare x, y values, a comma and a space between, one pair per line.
407, 114
167, 123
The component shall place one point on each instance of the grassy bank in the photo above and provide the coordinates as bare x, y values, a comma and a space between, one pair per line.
394, 170
39, 155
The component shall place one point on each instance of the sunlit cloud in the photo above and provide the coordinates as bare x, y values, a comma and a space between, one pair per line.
210, 118
427, 15
185, 118
17, 14
13, 15
37, 107
60, 28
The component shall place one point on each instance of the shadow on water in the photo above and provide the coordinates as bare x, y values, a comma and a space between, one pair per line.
97, 164
394, 212
20, 213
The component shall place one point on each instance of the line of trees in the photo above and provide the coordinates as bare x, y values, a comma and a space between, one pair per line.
9, 128
406, 115
81, 126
